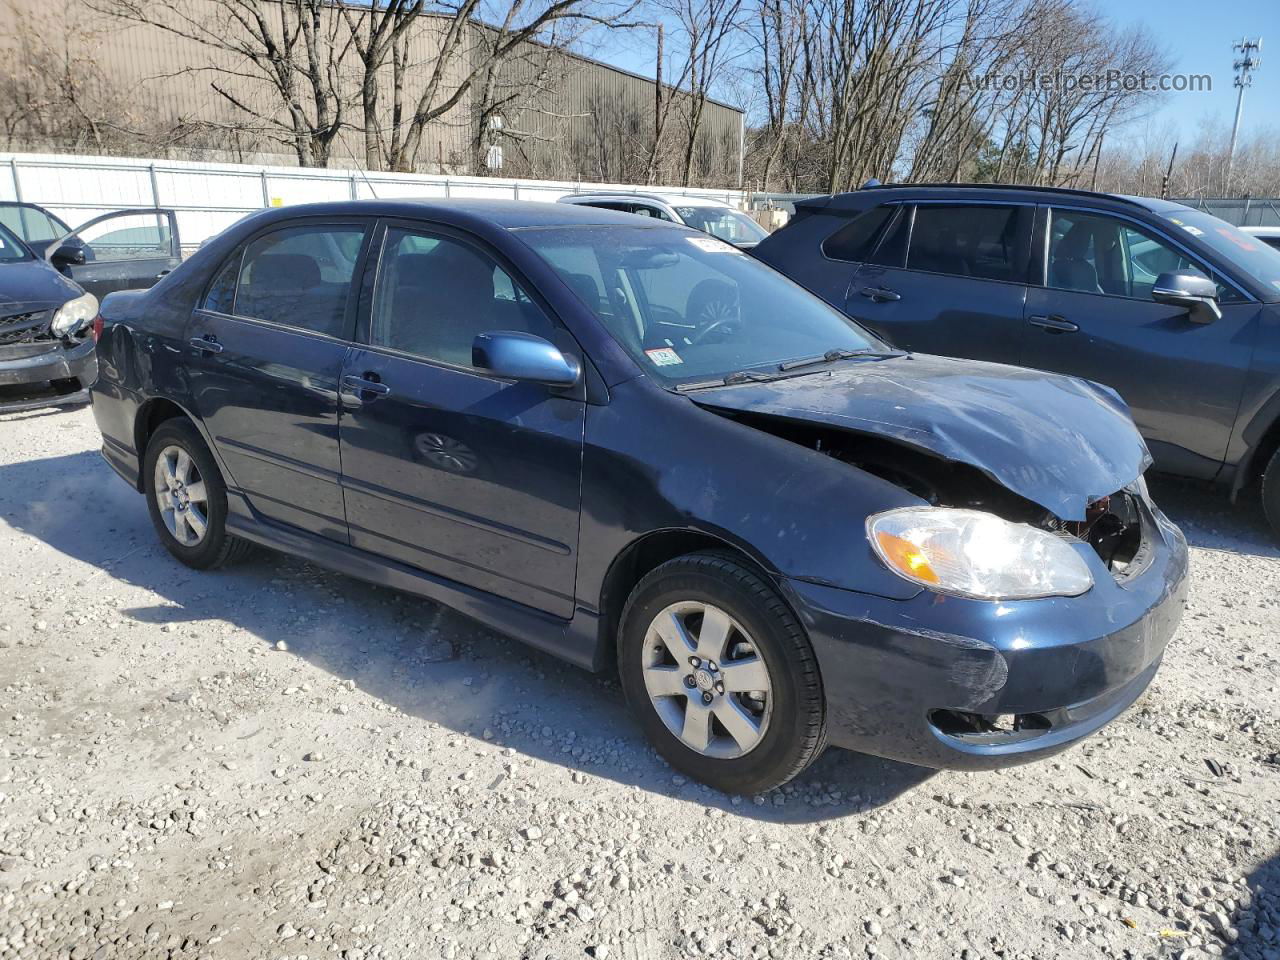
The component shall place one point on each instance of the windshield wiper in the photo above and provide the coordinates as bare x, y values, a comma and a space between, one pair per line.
738, 377
831, 356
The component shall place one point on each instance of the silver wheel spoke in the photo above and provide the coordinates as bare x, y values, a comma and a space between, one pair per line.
740, 724
665, 681
196, 492
182, 468
165, 463
195, 522
742, 676
713, 634
697, 726
671, 629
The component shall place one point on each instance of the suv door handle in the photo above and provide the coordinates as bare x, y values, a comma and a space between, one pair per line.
1053, 324
880, 294
366, 387
208, 343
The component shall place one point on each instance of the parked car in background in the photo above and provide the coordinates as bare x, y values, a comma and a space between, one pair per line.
1174, 308
709, 216
1268, 235
51, 280
779, 534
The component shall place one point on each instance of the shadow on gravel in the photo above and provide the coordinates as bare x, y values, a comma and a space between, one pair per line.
409, 653
1257, 922
1209, 518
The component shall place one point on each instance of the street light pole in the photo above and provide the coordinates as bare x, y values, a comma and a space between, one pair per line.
1244, 67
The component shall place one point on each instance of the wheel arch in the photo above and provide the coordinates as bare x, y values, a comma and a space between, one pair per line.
151, 414
647, 553
1263, 439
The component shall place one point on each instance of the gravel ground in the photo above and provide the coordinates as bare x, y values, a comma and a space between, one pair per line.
278, 762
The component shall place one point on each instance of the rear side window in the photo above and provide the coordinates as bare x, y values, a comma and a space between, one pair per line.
855, 240
300, 277
979, 241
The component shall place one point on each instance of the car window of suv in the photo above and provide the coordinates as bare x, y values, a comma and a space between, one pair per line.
978, 240
435, 294
856, 239
1094, 253
298, 277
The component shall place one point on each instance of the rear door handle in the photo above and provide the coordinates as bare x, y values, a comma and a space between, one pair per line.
206, 343
364, 387
1054, 324
880, 294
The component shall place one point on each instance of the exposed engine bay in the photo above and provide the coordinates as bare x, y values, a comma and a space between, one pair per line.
1112, 525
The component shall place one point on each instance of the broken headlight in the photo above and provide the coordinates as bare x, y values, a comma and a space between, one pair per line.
975, 554
74, 314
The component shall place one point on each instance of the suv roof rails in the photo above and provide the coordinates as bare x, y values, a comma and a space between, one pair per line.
1067, 191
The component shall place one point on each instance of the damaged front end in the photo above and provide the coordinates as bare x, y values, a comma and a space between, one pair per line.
46, 353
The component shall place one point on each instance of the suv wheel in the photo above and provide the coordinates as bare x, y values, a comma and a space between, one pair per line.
187, 498
721, 675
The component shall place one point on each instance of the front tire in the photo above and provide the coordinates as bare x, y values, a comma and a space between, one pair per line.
187, 498
1271, 493
721, 675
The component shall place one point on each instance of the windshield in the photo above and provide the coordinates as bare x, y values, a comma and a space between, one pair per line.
11, 250
1246, 252
722, 222
690, 308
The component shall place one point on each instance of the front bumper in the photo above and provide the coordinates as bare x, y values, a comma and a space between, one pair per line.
897, 673
44, 360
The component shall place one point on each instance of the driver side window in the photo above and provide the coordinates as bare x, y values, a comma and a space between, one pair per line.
1092, 253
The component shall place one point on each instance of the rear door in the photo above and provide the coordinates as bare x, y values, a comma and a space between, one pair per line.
35, 225
122, 250
948, 278
446, 467
1093, 317
265, 352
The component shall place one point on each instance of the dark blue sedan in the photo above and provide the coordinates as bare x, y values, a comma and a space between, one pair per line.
631, 445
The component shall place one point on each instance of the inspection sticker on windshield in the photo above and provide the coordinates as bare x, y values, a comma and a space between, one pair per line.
712, 245
663, 357
1194, 231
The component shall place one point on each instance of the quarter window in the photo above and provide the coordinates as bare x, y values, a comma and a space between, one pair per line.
1092, 253
434, 295
854, 240
979, 241
300, 277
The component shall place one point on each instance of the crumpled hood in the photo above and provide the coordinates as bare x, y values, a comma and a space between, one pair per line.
33, 285
1059, 441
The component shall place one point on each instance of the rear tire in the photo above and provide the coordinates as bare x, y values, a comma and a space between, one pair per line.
721, 675
1271, 493
187, 498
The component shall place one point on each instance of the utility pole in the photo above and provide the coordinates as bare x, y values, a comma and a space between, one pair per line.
1244, 67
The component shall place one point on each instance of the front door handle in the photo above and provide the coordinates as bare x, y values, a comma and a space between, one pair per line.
366, 387
208, 343
1054, 324
880, 294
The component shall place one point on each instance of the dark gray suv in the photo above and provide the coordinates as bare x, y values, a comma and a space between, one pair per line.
1177, 310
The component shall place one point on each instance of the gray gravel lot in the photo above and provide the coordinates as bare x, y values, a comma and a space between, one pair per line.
278, 762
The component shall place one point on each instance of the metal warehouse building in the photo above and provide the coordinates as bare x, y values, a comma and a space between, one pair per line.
559, 116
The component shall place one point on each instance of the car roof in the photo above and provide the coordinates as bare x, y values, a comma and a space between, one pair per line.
464, 212
1263, 231
623, 196
986, 191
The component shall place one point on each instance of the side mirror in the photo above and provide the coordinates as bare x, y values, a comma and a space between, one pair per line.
69, 253
522, 356
1197, 293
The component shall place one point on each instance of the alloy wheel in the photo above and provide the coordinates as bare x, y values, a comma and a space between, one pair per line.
706, 680
181, 496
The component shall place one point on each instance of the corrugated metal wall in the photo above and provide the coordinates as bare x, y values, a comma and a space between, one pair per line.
571, 117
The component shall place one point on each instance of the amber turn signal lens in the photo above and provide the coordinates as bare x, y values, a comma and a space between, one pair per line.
906, 556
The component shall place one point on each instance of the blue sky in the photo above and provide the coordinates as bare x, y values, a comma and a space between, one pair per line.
1197, 34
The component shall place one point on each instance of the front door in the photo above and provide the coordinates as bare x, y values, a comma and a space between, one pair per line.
1094, 317
445, 467
950, 279
123, 250
265, 353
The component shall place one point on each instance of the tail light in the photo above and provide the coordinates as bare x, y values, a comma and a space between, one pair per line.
97, 328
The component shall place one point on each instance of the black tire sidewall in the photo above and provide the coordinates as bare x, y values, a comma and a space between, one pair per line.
209, 551
787, 745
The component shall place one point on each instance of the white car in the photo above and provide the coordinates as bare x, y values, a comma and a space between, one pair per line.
709, 216
1268, 235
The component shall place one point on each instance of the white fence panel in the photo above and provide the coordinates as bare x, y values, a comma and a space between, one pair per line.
208, 197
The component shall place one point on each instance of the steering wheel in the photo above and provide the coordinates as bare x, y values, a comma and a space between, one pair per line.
713, 306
